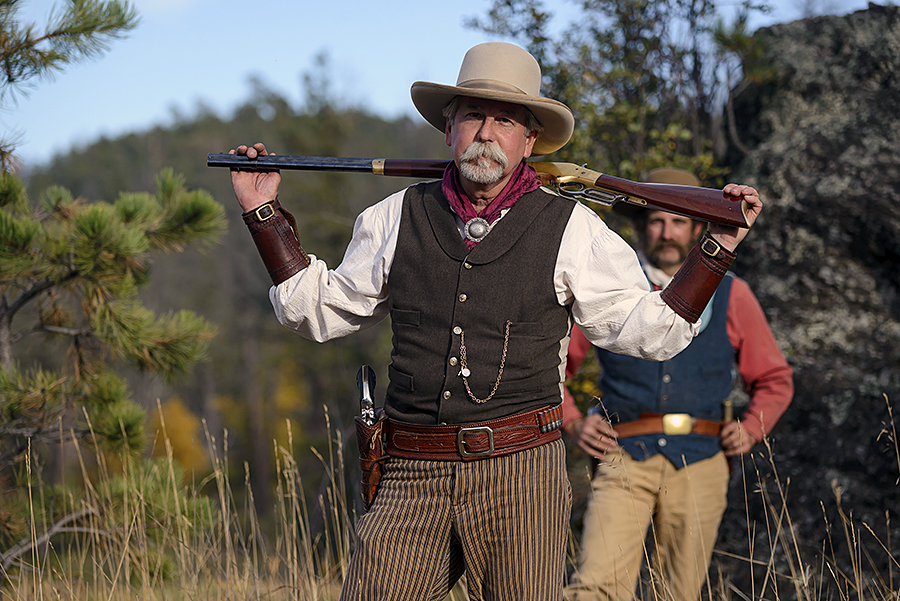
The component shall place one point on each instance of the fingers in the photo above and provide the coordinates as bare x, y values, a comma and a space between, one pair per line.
735, 440
730, 236
749, 195
739, 190
251, 152
597, 436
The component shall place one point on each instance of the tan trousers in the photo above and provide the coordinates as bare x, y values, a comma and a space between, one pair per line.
503, 521
682, 508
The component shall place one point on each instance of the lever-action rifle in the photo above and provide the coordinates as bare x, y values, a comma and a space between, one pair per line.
568, 179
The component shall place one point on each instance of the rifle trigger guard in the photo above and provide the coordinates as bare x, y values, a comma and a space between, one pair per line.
578, 191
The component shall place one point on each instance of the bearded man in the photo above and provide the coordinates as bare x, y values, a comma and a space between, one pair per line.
660, 433
482, 274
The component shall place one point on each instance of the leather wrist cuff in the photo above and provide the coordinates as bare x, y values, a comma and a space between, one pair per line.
274, 233
697, 279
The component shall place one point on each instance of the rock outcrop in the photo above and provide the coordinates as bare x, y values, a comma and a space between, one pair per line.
825, 263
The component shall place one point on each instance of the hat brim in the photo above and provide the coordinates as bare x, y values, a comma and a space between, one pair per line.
555, 117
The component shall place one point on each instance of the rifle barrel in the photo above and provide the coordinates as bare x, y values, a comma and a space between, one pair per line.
395, 167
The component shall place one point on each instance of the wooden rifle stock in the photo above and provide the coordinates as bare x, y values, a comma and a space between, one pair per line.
570, 180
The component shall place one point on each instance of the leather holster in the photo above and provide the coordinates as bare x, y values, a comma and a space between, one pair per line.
370, 440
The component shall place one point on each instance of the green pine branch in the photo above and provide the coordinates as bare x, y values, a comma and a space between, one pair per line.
84, 29
71, 273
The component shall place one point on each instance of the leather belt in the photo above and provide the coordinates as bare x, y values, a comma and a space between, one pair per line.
465, 442
670, 424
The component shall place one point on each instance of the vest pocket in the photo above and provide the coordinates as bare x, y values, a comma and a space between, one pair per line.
527, 342
405, 317
522, 374
403, 380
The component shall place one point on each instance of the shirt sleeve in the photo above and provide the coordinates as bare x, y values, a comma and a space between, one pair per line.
599, 274
768, 378
320, 304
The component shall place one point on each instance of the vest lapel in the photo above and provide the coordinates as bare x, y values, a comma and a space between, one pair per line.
502, 237
443, 221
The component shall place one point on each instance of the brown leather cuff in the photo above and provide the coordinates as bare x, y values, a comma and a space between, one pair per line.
697, 279
274, 233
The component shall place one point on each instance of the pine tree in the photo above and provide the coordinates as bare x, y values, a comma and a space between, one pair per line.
82, 29
71, 320
70, 272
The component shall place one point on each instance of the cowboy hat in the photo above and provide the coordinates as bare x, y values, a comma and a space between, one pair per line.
664, 175
506, 73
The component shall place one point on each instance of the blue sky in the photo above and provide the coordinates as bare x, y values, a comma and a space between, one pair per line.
188, 52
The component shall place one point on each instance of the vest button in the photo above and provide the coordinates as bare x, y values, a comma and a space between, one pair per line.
667, 378
446, 394
662, 442
462, 298
457, 330
453, 360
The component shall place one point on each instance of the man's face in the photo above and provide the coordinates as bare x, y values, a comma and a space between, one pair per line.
488, 139
669, 238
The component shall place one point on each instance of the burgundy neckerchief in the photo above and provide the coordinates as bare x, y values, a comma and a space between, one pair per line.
524, 179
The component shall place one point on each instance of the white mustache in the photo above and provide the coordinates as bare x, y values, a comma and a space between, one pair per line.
490, 150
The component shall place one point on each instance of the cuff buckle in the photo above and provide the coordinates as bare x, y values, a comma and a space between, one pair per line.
710, 246
265, 212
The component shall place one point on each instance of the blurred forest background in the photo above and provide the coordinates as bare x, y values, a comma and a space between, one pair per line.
805, 111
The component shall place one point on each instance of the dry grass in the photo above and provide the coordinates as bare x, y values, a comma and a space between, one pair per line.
143, 535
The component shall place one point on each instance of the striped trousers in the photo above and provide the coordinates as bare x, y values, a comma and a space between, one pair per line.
502, 521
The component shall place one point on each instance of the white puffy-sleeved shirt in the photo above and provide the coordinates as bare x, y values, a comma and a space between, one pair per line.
597, 273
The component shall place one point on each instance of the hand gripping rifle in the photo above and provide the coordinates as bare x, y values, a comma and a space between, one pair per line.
568, 179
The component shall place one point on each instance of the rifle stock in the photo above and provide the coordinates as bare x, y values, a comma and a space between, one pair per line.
570, 180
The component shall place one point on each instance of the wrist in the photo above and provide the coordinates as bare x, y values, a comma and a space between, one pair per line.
274, 232
714, 248
697, 278
260, 212
573, 427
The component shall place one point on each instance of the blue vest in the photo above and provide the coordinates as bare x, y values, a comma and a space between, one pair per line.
695, 381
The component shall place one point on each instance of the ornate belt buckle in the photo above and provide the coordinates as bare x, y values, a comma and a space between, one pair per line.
461, 442
677, 423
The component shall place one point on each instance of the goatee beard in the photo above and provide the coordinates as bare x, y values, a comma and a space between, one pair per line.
483, 163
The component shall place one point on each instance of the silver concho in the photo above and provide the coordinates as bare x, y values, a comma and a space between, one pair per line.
477, 228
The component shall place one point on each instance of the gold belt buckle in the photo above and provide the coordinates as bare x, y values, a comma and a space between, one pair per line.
461, 441
677, 423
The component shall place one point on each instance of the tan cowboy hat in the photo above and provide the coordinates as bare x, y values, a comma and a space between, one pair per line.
664, 175
506, 73
667, 175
